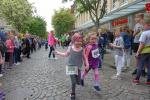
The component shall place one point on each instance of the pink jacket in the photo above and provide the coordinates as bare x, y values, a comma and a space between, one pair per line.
51, 40
10, 46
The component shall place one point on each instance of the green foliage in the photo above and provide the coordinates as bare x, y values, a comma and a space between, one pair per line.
63, 21
96, 9
37, 26
17, 13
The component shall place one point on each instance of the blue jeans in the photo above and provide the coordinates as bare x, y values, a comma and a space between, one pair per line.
15, 55
101, 52
143, 59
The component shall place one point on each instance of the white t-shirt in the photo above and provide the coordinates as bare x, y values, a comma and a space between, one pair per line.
119, 42
145, 38
137, 27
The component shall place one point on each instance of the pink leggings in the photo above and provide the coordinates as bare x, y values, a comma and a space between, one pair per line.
96, 74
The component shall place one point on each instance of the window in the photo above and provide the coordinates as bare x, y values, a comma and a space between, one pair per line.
114, 4
123, 2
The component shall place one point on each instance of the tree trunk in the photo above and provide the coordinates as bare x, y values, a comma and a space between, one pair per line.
97, 26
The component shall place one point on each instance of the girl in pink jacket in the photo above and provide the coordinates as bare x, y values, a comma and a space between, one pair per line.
51, 43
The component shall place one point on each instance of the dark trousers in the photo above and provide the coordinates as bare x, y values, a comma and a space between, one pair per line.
0, 68
28, 52
31, 48
34, 47
101, 52
16, 55
46, 46
19, 54
75, 79
143, 59
51, 51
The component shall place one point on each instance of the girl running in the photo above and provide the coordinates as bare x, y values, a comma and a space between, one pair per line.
92, 60
75, 54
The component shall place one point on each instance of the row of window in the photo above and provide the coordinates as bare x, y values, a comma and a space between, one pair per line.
122, 2
114, 5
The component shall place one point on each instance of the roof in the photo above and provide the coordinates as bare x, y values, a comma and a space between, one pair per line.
133, 7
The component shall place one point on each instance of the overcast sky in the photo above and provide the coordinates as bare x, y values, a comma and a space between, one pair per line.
45, 8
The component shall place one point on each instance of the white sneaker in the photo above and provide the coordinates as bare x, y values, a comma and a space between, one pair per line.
1, 75
55, 58
50, 58
18, 63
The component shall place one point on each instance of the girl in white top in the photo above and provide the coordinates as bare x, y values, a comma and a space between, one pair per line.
118, 48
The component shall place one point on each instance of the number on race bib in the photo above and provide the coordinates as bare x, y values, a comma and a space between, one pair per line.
95, 53
71, 70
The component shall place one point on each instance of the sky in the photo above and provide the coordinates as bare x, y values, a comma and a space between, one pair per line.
45, 9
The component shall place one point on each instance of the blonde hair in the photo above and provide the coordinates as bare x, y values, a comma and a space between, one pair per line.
87, 38
147, 18
140, 15
117, 33
10, 36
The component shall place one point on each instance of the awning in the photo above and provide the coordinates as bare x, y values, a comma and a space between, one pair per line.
137, 5
133, 7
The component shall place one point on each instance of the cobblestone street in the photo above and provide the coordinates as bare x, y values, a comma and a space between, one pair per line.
39, 78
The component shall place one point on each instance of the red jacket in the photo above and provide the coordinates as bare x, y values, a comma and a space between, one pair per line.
10, 46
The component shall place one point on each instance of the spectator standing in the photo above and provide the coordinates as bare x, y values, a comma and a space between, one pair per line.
27, 45
138, 29
127, 38
1, 60
9, 54
143, 53
16, 50
118, 55
101, 49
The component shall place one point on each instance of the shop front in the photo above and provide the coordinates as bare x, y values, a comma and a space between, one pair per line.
128, 20
120, 17
119, 23
124, 16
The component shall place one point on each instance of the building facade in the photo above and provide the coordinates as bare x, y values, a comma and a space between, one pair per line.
4, 26
119, 13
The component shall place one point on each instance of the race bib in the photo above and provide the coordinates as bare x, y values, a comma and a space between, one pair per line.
71, 70
95, 53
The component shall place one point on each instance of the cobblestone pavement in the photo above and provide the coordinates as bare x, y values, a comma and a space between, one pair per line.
43, 79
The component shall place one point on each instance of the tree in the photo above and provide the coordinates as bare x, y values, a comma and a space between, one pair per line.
37, 26
63, 21
96, 9
17, 13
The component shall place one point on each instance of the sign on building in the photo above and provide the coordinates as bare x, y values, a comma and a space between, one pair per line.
147, 7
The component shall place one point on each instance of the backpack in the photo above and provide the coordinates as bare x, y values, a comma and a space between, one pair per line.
127, 41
